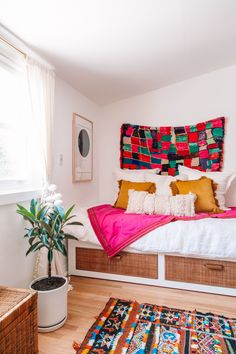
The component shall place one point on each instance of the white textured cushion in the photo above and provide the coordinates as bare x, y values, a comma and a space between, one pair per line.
147, 203
223, 179
136, 201
183, 204
162, 205
179, 205
163, 182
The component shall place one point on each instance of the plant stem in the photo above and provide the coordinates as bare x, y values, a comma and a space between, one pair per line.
49, 270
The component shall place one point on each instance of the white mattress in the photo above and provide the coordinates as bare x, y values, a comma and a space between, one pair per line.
211, 238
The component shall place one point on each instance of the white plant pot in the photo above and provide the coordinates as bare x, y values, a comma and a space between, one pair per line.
52, 307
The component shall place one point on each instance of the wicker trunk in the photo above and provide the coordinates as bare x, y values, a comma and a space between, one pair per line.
18, 321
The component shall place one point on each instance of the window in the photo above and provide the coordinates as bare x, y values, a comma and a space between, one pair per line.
18, 148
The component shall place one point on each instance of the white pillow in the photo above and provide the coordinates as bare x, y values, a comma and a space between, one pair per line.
223, 179
148, 170
162, 205
147, 203
136, 201
126, 171
129, 175
163, 182
178, 205
183, 204
126, 175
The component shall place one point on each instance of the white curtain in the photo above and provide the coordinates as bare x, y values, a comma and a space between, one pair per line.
41, 84
41, 265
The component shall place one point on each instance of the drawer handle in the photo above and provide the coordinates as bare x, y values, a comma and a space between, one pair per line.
217, 267
118, 257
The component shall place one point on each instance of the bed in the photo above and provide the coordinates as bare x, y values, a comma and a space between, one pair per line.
194, 255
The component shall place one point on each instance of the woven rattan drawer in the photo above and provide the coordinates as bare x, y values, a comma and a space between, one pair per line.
133, 264
201, 271
18, 321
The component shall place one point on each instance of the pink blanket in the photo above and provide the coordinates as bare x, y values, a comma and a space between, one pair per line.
116, 230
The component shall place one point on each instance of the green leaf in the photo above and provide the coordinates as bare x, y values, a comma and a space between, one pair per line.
32, 232
41, 213
71, 217
28, 251
61, 235
20, 206
32, 238
44, 240
55, 214
68, 212
27, 215
70, 237
60, 210
25, 211
60, 247
33, 247
55, 223
75, 223
38, 248
29, 232
46, 227
33, 206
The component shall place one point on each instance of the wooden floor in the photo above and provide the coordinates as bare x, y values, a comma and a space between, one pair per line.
89, 296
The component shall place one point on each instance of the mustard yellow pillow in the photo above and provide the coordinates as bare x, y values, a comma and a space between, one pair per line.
123, 196
204, 188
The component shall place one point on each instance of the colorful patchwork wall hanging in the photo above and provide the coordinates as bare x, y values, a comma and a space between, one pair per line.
197, 146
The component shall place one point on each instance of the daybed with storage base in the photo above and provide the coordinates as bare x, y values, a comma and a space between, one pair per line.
194, 254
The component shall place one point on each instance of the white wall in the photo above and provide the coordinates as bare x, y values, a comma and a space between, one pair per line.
191, 101
67, 101
15, 268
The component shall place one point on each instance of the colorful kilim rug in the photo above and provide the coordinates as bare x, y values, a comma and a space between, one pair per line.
197, 146
128, 327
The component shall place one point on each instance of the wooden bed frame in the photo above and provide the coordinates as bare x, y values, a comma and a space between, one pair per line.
167, 270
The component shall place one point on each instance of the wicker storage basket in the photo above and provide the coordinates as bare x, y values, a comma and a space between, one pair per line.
18, 321
125, 263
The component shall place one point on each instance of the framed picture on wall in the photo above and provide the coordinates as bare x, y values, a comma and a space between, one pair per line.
82, 149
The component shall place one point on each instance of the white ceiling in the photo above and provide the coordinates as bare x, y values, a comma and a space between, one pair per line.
114, 49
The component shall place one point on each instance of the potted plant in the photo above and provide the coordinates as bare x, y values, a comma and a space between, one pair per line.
47, 221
